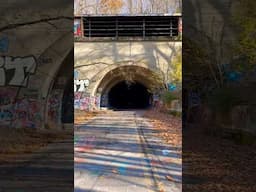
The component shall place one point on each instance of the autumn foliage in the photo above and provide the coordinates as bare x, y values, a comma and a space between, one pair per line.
111, 6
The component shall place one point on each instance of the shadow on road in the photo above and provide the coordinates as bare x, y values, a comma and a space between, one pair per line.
109, 153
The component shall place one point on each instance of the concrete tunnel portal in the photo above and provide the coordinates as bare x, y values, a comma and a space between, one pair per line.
127, 87
119, 67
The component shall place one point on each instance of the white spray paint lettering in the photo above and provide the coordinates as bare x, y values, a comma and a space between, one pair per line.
81, 85
15, 71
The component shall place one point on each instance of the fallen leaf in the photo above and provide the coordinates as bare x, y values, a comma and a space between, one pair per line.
169, 178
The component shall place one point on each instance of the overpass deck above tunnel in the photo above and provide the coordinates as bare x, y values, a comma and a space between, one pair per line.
123, 27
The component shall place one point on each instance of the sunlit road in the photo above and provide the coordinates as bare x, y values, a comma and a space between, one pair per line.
119, 152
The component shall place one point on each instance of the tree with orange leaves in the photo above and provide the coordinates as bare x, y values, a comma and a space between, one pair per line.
111, 6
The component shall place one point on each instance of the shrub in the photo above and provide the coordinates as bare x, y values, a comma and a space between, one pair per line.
175, 113
222, 100
168, 97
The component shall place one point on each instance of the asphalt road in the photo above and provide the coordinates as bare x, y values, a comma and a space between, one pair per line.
119, 151
49, 169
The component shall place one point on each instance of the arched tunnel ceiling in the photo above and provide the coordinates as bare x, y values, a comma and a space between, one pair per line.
65, 68
129, 73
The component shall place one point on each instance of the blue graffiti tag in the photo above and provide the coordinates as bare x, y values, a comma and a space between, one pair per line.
234, 76
172, 87
4, 44
6, 115
76, 74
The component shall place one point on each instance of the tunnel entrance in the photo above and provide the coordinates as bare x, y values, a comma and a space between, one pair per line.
128, 87
68, 103
127, 95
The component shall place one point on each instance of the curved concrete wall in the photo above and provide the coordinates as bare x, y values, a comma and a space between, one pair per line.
33, 47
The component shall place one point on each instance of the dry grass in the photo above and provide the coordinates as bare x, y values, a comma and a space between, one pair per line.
15, 142
216, 164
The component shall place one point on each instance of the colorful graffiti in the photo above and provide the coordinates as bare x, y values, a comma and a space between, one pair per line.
77, 28
85, 102
27, 113
14, 71
54, 105
6, 105
22, 112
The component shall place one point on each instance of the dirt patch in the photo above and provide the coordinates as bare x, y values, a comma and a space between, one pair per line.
85, 116
218, 164
15, 142
169, 127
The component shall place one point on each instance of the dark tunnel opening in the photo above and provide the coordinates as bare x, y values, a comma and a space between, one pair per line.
68, 104
129, 96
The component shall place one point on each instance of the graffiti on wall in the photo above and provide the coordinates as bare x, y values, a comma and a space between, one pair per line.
76, 74
4, 44
81, 85
85, 102
54, 105
77, 27
233, 76
27, 113
172, 87
6, 106
22, 112
15, 71
6, 115
230, 74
